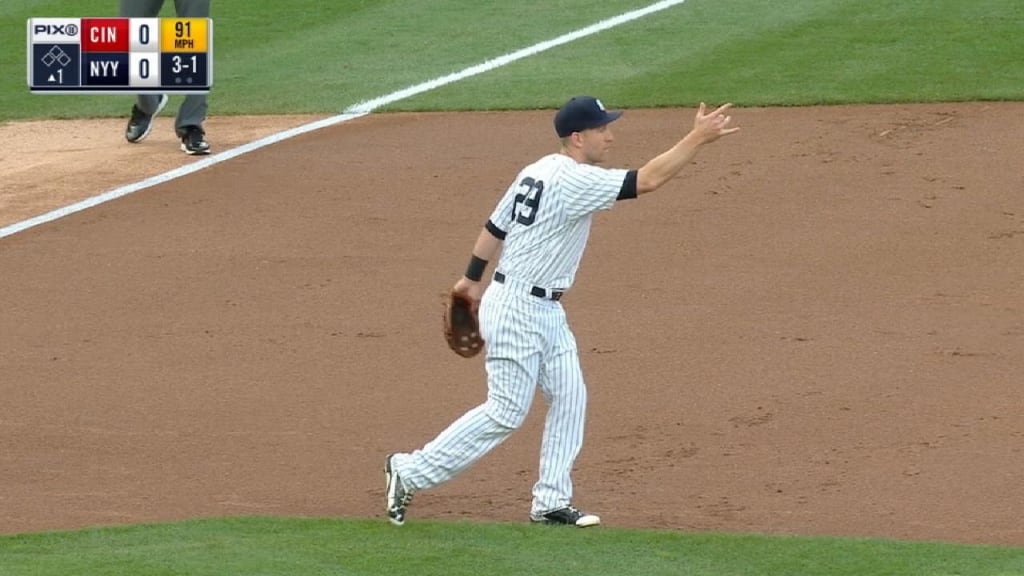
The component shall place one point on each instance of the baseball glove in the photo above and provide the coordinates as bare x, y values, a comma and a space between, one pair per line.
461, 326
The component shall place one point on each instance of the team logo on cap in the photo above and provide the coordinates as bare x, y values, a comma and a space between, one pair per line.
600, 104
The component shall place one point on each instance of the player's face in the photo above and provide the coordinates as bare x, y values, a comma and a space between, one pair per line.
596, 144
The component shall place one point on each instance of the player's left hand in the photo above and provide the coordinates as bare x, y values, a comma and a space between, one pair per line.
461, 325
472, 291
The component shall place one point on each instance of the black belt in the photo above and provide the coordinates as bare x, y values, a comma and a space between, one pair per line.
537, 291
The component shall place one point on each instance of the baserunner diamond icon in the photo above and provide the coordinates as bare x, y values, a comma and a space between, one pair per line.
55, 54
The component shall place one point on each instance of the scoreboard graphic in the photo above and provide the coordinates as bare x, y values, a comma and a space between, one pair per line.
120, 55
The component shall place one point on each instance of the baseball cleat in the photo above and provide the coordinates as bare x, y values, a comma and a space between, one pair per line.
141, 124
193, 142
397, 496
568, 516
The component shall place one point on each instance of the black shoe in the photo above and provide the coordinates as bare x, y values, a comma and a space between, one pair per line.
568, 516
397, 496
194, 141
140, 124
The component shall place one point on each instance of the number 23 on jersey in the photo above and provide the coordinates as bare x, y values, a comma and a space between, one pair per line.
524, 210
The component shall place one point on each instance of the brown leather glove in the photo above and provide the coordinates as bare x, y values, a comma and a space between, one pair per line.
461, 326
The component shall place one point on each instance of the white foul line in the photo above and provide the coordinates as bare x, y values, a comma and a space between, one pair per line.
356, 111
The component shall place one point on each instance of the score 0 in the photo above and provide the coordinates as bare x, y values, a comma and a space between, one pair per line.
144, 58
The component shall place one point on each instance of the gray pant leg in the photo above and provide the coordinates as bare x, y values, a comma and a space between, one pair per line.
193, 110
143, 9
191, 113
191, 8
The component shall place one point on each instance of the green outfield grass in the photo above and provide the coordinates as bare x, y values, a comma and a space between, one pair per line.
272, 547
311, 56
308, 56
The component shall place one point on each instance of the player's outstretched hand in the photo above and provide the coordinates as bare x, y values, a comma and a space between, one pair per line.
711, 126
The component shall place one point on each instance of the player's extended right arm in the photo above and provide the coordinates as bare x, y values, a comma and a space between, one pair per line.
706, 129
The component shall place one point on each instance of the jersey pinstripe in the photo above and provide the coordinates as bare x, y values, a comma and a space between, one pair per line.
546, 215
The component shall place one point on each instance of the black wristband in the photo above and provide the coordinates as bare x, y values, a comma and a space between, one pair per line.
475, 270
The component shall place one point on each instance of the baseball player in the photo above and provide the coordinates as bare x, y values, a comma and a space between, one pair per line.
189, 124
541, 224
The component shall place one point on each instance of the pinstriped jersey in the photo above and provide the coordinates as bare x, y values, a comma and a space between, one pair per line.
545, 218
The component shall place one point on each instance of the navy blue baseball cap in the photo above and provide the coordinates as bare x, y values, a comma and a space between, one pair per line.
582, 113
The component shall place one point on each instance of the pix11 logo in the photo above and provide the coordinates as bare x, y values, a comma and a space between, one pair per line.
55, 30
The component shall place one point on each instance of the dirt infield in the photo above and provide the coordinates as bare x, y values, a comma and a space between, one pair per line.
816, 329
